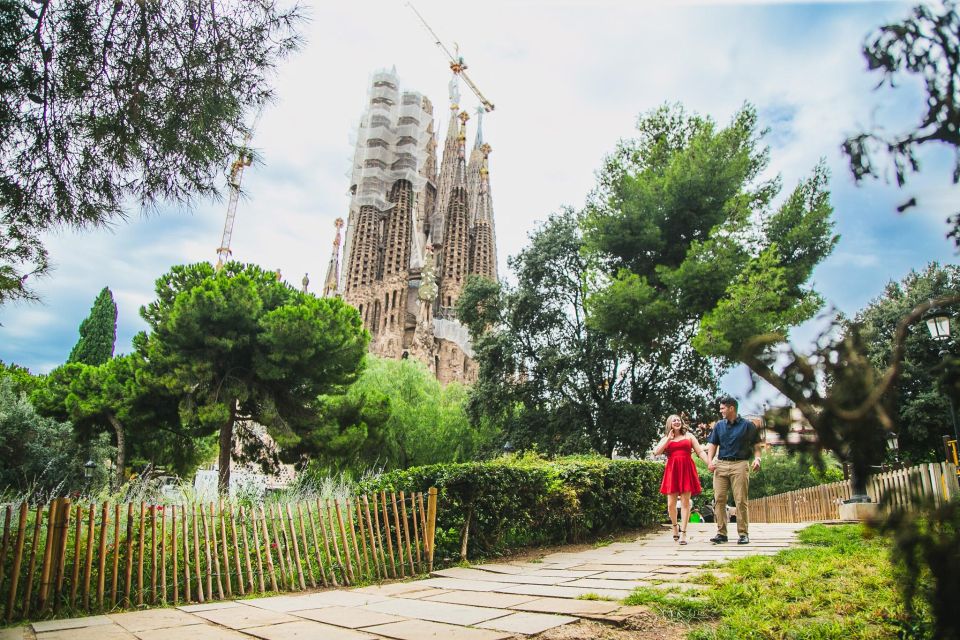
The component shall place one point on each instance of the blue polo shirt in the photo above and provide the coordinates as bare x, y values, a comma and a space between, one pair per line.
735, 439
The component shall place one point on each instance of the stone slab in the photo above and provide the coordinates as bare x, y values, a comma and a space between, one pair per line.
481, 599
195, 632
526, 623
210, 606
623, 575
500, 568
245, 617
349, 617
424, 629
284, 604
13, 633
593, 583
859, 511
474, 574
457, 584
567, 606
154, 619
99, 632
564, 592
70, 623
436, 611
305, 630
341, 599
392, 589
564, 573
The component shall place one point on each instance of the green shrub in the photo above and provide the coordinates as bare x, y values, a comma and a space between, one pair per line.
515, 501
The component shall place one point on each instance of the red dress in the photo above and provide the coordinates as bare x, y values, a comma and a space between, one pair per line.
680, 475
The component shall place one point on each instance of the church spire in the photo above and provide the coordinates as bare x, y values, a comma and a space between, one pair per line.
483, 242
333, 269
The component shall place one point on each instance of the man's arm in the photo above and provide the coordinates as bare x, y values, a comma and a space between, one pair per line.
757, 450
712, 455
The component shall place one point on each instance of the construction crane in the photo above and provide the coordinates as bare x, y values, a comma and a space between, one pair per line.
244, 159
457, 64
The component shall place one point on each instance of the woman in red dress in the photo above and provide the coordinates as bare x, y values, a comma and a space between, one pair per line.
680, 477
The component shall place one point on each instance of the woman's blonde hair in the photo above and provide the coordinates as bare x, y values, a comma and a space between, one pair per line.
683, 428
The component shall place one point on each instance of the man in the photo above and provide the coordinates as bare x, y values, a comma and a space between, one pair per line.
730, 446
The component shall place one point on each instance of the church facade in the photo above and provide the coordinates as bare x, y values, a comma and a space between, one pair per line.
415, 229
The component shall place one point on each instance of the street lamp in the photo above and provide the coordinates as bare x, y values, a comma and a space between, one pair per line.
893, 445
938, 324
88, 468
507, 447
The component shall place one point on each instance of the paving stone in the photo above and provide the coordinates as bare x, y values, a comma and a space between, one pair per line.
99, 632
567, 606
423, 629
526, 623
305, 630
564, 592
392, 589
456, 584
350, 617
70, 623
290, 603
474, 574
194, 632
154, 619
623, 575
436, 611
564, 573
13, 633
592, 583
245, 617
500, 568
341, 599
423, 593
210, 606
481, 599
680, 586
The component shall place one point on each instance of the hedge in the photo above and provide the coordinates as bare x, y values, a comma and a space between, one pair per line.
514, 502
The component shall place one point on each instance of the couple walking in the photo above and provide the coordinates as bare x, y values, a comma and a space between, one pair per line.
733, 441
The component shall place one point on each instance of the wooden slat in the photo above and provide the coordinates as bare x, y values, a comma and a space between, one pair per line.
406, 532
236, 550
37, 523
316, 544
63, 536
17, 560
386, 529
399, 533
267, 545
348, 576
8, 516
45, 567
225, 545
296, 546
211, 534
116, 555
102, 552
197, 514
326, 543
305, 546
163, 555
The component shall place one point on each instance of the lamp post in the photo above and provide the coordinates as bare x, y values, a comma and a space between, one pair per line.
507, 448
938, 324
893, 446
88, 468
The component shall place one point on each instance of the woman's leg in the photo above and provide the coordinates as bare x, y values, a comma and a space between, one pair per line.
684, 515
672, 510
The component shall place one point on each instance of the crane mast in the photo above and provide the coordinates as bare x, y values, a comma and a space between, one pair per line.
457, 63
244, 159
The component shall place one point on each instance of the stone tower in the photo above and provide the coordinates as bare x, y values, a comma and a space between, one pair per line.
415, 231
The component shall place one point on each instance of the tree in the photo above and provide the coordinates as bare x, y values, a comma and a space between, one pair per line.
105, 103
237, 344
689, 240
98, 332
395, 416
549, 379
117, 397
927, 44
920, 410
40, 455
23, 380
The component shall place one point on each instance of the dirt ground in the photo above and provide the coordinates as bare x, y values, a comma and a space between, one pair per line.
640, 626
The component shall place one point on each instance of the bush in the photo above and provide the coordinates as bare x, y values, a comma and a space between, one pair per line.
514, 502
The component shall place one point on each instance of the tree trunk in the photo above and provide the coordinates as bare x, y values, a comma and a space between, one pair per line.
226, 450
121, 449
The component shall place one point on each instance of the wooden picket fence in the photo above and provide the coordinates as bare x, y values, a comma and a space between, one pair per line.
901, 488
76, 557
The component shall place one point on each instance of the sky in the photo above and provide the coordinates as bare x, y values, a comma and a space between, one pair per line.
569, 79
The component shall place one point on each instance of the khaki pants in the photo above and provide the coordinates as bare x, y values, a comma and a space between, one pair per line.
732, 474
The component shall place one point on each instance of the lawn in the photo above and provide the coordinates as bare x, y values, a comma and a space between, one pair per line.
840, 584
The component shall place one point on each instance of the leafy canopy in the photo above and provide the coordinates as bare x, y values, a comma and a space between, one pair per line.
237, 344
98, 332
106, 103
691, 242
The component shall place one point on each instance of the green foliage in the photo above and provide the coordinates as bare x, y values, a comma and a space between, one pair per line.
926, 557
687, 234
103, 104
396, 415
781, 472
834, 588
927, 45
551, 381
23, 380
40, 455
237, 344
98, 332
518, 501
921, 413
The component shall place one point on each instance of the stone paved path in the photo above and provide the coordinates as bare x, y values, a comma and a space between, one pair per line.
485, 602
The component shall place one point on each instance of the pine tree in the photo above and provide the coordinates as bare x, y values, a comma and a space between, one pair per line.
98, 332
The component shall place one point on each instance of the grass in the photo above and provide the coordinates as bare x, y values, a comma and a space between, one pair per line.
595, 596
839, 585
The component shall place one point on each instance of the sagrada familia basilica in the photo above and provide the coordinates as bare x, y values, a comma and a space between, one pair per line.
414, 231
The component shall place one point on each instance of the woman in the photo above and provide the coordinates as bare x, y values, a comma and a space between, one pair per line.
680, 477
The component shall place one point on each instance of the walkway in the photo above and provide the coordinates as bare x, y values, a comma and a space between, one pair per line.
485, 602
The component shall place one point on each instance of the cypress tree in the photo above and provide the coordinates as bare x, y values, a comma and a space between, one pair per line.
98, 332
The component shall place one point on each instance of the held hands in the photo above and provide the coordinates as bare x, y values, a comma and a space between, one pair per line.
712, 466
756, 464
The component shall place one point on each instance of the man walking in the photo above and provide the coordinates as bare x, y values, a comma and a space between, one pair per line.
732, 443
